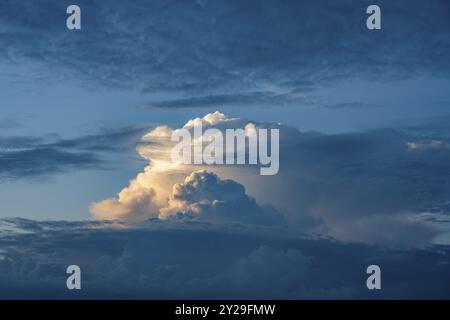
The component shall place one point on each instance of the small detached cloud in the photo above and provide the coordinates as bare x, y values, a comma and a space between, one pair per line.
430, 145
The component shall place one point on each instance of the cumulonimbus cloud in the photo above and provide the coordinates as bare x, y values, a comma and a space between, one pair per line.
341, 185
166, 188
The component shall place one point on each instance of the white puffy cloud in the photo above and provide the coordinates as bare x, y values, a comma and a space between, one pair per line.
166, 188
134, 202
205, 196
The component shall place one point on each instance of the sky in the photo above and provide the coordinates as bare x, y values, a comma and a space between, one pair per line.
364, 146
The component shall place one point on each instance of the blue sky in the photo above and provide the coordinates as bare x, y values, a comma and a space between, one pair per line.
363, 115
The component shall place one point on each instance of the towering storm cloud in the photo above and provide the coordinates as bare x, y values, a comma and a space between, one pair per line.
167, 188
346, 186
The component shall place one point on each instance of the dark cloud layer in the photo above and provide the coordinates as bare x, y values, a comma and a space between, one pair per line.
228, 51
163, 261
25, 157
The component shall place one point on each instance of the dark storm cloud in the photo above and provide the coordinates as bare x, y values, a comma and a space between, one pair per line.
212, 51
26, 157
172, 262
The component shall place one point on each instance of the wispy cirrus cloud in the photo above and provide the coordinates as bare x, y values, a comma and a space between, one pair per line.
241, 98
24, 157
9, 123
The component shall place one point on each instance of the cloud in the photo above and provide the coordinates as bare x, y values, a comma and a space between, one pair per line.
351, 183
29, 157
209, 55
203, 195
9, 123
243, 98
132, 203
165, 261
14, 226
433, 144
166, 189
40, 161
348, 105
112, 140
340, 185
252, 275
